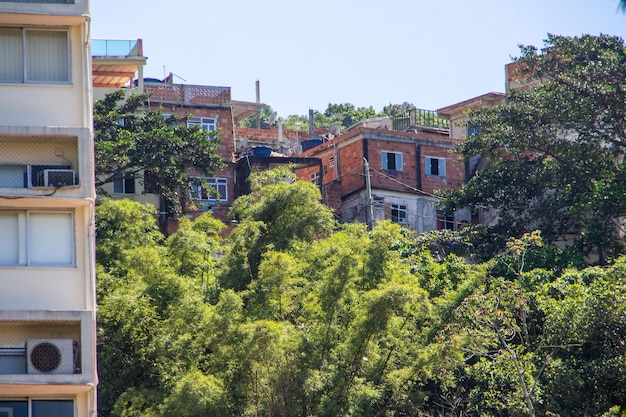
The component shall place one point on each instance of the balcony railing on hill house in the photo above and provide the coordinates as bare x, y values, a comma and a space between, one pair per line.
419, 117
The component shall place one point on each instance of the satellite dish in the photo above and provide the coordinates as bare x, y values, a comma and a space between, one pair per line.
335, 129
241, 146
272, 118
405, 106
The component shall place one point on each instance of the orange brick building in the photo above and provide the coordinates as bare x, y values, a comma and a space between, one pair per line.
405, 169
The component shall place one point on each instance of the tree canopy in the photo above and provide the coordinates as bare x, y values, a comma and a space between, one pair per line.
346, 321
553, 155
144, 144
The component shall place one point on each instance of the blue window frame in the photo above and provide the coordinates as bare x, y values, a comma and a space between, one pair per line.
435, 167
392, 160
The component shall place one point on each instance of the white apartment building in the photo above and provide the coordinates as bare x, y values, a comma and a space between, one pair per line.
47, 272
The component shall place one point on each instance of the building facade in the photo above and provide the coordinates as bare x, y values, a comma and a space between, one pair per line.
371, 174
118, 64
47, 273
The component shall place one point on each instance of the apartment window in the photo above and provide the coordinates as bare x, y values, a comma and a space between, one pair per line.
13, 176
435, 167
32, 238
399, 213
38, 408
207, 124
392, 160
331, 162
124, 184
315, 178
34, 56
208, 195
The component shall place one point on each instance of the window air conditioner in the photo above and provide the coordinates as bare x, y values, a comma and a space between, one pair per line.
50, 356
58, 177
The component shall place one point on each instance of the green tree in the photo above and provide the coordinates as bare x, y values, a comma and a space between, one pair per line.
150, 147
123, 225
346, 114
265, 118
554, 152
273, 216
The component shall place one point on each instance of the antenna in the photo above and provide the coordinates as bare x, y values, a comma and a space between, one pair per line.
405, 106
178, 76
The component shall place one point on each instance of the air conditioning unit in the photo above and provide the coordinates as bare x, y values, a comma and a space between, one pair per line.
50, 356
57, 177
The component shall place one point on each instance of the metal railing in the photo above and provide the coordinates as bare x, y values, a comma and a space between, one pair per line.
419, 117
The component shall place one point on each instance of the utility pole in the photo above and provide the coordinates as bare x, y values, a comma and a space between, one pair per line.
369, 216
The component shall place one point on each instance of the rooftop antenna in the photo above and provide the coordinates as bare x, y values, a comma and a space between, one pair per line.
404, 106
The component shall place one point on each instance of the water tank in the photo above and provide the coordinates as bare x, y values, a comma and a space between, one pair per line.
261, 151
311, 143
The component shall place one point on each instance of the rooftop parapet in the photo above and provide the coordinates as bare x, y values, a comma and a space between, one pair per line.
197, 95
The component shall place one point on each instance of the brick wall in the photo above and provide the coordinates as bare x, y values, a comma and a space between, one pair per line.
455, 169
272, 134
224, 124
393, 179
351, 167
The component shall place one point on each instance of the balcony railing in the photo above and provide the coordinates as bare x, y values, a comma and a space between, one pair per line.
419, 117
187, 94
116, 48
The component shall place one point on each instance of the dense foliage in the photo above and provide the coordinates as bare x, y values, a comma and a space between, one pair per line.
554, 153
345, 321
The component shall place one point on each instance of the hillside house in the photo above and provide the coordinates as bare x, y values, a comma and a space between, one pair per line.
405, 169
119, 65
458, 116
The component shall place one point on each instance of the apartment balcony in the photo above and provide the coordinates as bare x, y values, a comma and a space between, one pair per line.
44, 161
116, 63
44, 347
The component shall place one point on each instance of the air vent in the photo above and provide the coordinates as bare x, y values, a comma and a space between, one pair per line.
50, 356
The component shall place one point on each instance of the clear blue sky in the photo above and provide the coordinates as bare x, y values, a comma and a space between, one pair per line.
307, 54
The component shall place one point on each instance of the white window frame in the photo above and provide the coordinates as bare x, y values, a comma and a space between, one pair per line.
207, 124
219, 184
122, 181
315, 177
27, 236
441, 166
399, 209
26, 77
397, 160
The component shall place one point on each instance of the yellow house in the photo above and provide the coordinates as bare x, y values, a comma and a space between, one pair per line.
47, 278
